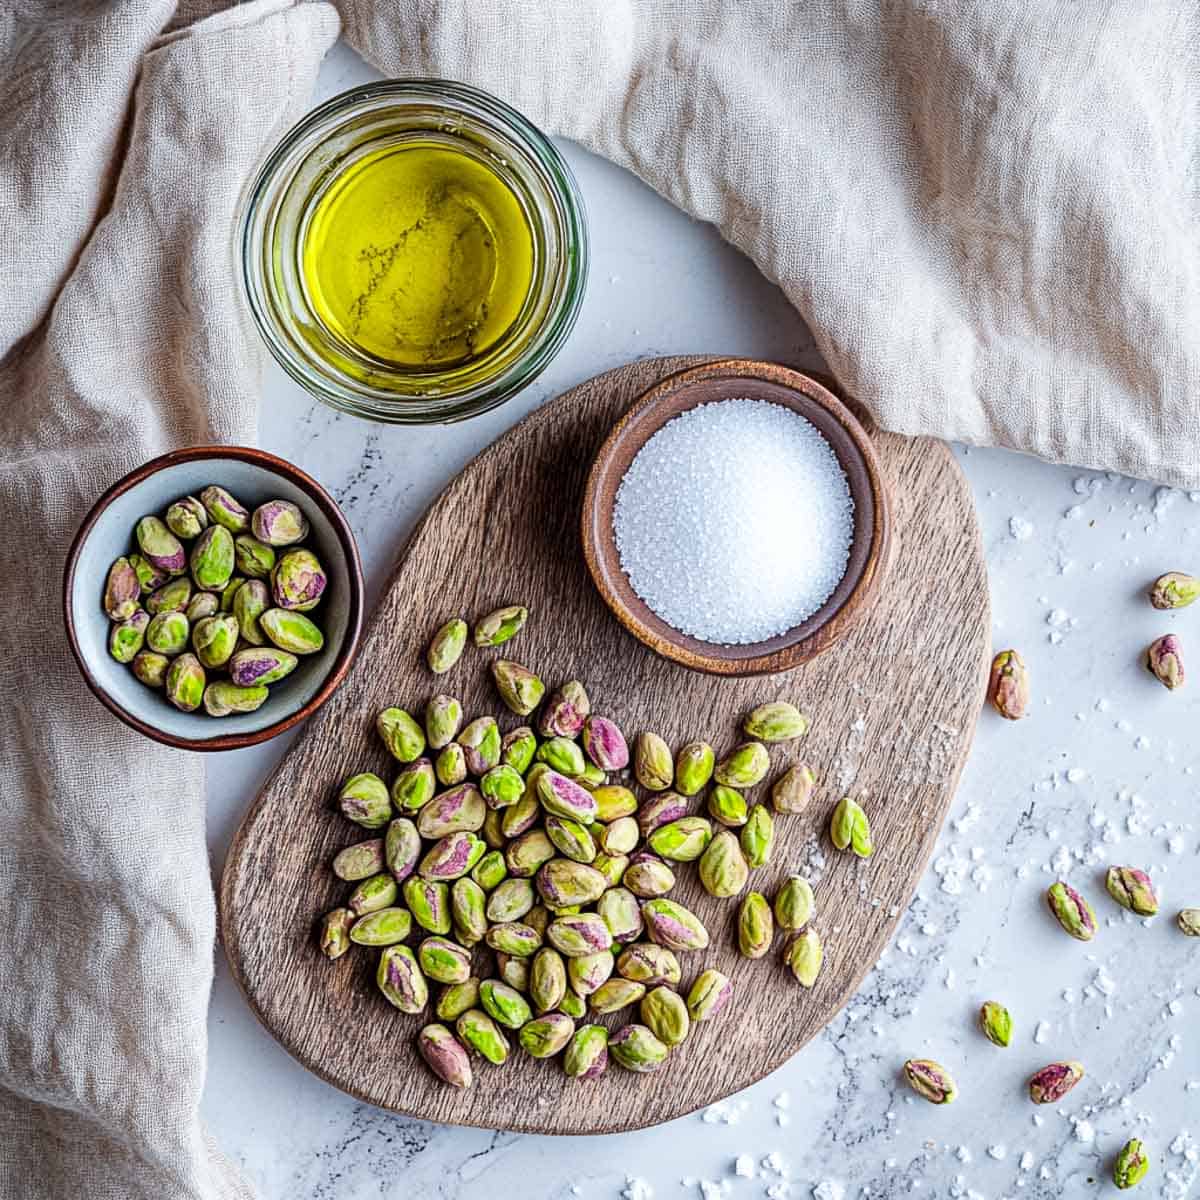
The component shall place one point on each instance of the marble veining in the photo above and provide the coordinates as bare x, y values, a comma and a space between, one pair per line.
1102, 771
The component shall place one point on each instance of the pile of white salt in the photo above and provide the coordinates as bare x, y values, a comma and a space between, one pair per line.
734, 521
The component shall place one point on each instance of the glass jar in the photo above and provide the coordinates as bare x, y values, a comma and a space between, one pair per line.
298, 183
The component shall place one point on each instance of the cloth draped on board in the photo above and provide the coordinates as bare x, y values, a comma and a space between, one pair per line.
987, 215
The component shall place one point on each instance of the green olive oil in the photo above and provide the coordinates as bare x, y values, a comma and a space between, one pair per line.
418, 256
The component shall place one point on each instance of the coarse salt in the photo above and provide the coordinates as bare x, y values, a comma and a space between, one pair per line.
734, 521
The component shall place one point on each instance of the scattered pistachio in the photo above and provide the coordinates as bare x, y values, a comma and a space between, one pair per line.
930, 1080
758, 836
565, 711
383, 927
1164, 659
647, 877
793, 790
1188, 921
547, 979
480, 742
248, 605
1071, 911
648, 963
443, 719
756, 926
794, 904
517, 749
401, 848
652, 762
673, 926
636, 1048
126, 638
683, 840
364, 800
166, 633
335, 932
1174, 590
497, 627
996, 1023
445, 1056
478, 1031
212, 558
291, 631
710, 992
723, 867
504, 1003
446, 646
1131, 888
728, 806
587, 1055
614, 802
850, 829
1131, 1164
444, 961
562, 755
450, 766
372, 894
1008, 685
360, 860
457, 998
805, 955
214, 639
605, 744
777, 721
467, 911
665, 1014
160, 547
151, 668
547, 1035
222, 698
400, 980
1053, 1082
693, 768
451, 856
429, 902
519, 688
403, 737
744, 766
253, 558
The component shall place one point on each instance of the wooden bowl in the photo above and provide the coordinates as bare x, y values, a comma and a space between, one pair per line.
253, 476
723, 380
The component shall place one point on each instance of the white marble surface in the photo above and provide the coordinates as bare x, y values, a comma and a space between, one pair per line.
1101, 772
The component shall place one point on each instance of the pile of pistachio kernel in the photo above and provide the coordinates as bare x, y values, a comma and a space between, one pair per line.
237, 597
533, 852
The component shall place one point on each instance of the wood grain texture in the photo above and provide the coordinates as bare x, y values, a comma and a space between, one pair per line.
893, 705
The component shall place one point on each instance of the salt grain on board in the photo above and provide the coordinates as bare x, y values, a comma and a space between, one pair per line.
734, 521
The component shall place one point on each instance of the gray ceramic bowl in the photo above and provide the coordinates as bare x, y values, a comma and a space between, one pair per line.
253, 476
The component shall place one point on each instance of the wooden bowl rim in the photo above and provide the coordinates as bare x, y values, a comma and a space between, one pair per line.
349, 547
850, 601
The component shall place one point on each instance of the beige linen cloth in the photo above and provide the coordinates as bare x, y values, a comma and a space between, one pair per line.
986, 212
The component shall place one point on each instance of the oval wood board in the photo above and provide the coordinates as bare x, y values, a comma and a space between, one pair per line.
893, 705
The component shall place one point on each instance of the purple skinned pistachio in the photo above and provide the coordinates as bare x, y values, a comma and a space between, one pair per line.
673, 926
605, 744
1164, 660
279, 523
451, 857
400, 979
445, 1056
563, 797
160, 546
225, 509
121, 591
261, 665
460, 810
660, 810
401, 848
1053, 1082
579, 934
564, 713
298, 581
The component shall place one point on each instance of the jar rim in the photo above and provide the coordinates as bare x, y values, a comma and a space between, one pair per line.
565, 276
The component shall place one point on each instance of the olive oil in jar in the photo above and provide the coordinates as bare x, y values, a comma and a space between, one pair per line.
418, 256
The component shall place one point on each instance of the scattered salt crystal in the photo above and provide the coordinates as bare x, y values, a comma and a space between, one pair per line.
963, 1154
1085, 1131
637, 1189
1042, 1032
997, 1152
1020, 529
722, 485
743, 1166
1027, 1160
1076, 774
829, 1189
710, 1190
1176, 844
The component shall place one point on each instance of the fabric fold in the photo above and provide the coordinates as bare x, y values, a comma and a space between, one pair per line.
986, 214
124, 158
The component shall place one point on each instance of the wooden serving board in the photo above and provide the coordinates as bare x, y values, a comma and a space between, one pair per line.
893, 705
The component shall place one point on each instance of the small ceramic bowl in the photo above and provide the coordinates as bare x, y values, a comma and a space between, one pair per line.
724, 380
253, 476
